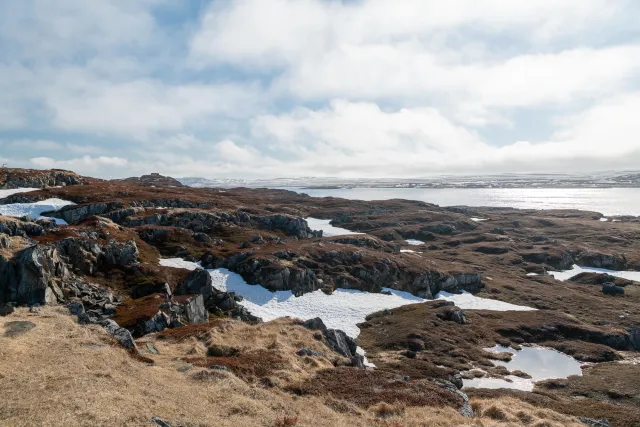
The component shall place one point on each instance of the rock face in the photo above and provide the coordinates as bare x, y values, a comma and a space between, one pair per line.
17, 227
30, 178
198, 282
600, 260
36, 275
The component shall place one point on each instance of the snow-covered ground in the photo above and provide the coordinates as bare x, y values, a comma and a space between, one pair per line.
7, 193
567, 274
478, 219
344, 309
414, 242
33, 210
328, 230
468, 301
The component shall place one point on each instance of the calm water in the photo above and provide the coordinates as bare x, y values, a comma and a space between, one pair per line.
539, 362
609, 201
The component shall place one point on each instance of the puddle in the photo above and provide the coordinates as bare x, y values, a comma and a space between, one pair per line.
567, 274
328, 230
539, 362
414, 242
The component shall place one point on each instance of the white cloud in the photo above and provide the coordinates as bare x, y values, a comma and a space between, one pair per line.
87, 165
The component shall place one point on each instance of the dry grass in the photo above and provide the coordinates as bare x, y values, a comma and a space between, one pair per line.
509, 411
63, 374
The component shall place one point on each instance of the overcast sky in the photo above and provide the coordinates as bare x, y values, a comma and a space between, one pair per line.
272, 88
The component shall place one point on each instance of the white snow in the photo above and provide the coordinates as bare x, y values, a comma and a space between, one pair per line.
467, 301
414, 242
344, 309
478, 219
7, 193
34, 210
576, 269
328, 230
533, 274
409, 251
604, 219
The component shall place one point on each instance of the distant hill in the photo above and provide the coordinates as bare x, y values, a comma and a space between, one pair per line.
153, 180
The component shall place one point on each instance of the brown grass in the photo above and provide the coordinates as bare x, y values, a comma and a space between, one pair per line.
64, 374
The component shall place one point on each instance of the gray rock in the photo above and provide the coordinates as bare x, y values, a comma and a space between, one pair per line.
309, 352
341, 343
611, 289
196, 311
15, 329
160, 422
594, 423
121, 334
6, 309
152, 348
198, 282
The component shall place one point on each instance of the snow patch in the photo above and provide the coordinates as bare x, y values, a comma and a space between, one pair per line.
344, 309
7, 193
468, 301
576, 269
328, 230
34, 210
414, 242
478, 219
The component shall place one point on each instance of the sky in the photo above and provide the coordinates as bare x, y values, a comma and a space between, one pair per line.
285, 88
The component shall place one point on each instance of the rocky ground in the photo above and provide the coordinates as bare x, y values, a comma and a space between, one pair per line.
104, 267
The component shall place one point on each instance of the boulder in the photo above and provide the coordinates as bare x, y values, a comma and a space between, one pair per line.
121, 334
195, 310
611, 289
198, 282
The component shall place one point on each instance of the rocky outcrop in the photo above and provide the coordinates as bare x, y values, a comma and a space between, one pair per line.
18, 227
152, 180
38, 274
31, 178
600, 260
337, 340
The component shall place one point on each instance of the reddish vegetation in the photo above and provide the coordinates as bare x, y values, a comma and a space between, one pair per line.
366, 388
251, 365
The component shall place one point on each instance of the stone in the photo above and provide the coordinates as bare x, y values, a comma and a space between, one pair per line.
35, 309
611, 289
315, 324
121, 334
309, 352
17, 328
198, 282
6, 309
465, 410
195, 311
415, 345
160, 422
152, 348
454, 315
341, 343
594, 423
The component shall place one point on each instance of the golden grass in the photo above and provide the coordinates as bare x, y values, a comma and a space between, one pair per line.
63, 374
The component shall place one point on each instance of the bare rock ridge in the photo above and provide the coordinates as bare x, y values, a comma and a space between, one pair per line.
31, 178
152, 180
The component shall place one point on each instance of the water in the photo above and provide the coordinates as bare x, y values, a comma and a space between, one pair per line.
608, 201
539, 362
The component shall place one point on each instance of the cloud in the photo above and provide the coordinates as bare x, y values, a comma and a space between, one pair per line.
84, 165
259, 88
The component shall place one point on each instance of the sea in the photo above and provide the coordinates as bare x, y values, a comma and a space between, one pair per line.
608, 201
